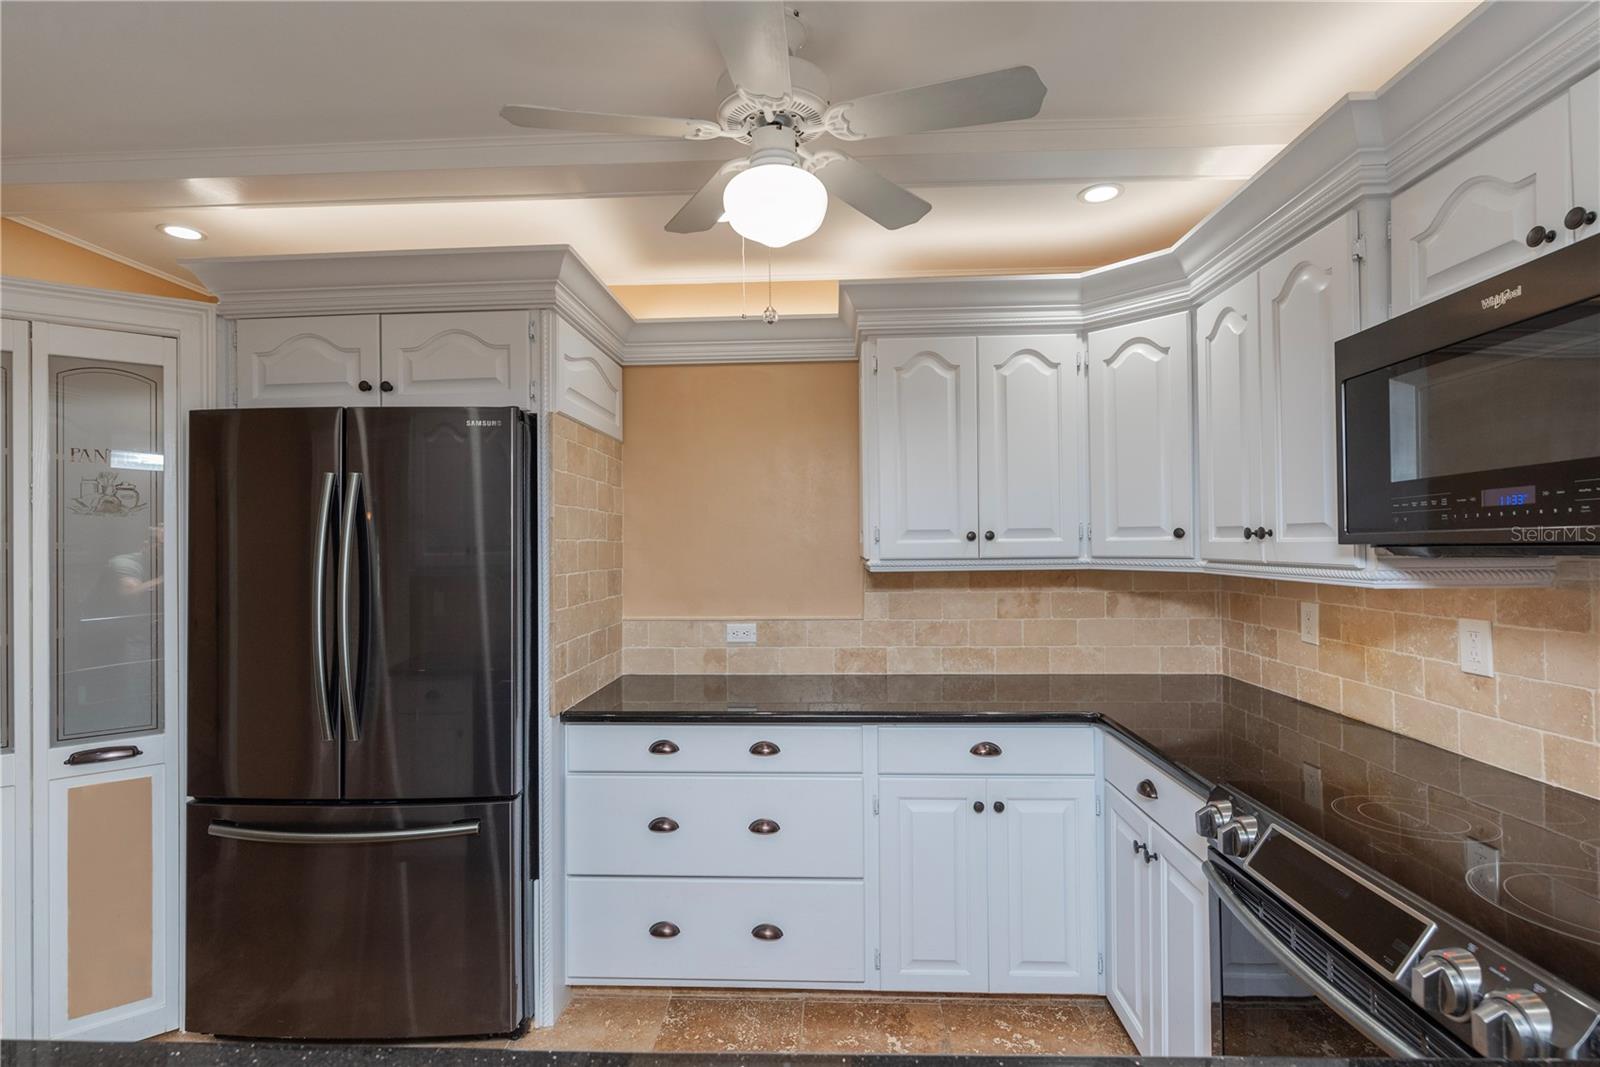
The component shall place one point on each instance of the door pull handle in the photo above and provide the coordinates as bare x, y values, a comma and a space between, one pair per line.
766, 932
764, 748
664, 930
1147, 789
347, 558
663, 748
319, 595
103, 754
764, 826
985, 748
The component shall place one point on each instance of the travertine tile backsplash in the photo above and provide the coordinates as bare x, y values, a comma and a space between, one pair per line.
585, 561
1385, 656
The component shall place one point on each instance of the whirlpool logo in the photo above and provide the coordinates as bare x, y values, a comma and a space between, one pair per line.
483, 422
1565, 535
1501, 299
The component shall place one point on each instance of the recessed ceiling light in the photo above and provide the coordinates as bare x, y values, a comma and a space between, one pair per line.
1099, 194
182, 233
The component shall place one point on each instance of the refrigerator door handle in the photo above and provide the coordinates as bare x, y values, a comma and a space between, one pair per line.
235, 832
347, 579
319, 601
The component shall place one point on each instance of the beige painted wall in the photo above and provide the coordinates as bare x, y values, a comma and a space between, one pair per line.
743, 492
27, 253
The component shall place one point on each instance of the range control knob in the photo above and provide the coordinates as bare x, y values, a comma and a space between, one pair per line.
1209, 820
1238, 836
1448, 981
1512, 1024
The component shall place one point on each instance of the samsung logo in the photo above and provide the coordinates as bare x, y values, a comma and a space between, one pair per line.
1587, 535
483, 422
1501, 299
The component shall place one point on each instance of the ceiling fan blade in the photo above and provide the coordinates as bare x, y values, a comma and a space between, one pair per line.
705, 206
558, 118
1000, 96
754, 41
869, 192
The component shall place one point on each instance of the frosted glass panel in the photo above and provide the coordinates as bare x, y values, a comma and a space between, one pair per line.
108, 558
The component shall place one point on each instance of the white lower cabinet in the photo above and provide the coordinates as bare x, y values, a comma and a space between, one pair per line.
1158, 934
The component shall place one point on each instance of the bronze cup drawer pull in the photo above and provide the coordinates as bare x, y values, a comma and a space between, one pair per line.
663, 825
766, 932
985, 748
104, 754
764, 748
1147, 789
664, 930
663, 747
764, 826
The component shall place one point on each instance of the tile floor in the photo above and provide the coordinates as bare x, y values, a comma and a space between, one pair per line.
612, 1019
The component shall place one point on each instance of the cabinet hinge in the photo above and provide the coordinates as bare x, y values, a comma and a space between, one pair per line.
874, 363
875, 536
233, 347
1100, 963
877, 959
533, 394
1358, 249
1097, 805
1388, 229
533, 329
874, 804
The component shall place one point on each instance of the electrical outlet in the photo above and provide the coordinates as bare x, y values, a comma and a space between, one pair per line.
1308, 623
741, 633
1476, 643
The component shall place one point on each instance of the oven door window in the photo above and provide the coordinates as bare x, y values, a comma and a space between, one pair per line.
1493, 433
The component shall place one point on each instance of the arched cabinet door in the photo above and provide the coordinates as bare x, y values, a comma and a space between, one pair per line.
1141, 460
456, 359
1471, 219
1227, 336
1029, 423
319, 360
927, 397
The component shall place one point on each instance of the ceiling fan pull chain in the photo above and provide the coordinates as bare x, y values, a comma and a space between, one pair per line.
744, 299
771, 313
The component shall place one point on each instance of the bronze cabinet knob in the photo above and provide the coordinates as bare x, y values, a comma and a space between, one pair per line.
1147, 789
985, 748
766, 932
663, 748
663, 825
364, 385
386, 387
664, 930
977, 806
1538, 236
764, 748
1179, 533
1578, 217
999, 807
972, 535
764, 826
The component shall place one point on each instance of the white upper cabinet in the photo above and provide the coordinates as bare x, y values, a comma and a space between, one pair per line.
1141, 460
458, 358
1308, 301
588, 384
1472, 218
296, 362
1584, 100
927, 403
1230, 415
1029, 457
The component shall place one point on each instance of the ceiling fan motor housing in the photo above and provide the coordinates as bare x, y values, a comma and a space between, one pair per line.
806, 103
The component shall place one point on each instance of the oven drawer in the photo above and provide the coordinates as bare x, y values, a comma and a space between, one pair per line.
785, 826
1036, 750
706, 930
673, 748
1174, 804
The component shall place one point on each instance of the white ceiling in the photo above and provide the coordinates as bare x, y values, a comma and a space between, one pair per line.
304, 127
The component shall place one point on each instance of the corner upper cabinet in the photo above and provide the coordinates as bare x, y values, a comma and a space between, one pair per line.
1140, 453
451, 359
927, 447
305, 361
1475, 216
588, 382
1228, 341
1029, 456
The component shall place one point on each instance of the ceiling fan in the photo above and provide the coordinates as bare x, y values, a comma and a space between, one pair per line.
778, 104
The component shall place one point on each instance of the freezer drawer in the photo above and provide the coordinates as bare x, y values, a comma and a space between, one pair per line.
353, 921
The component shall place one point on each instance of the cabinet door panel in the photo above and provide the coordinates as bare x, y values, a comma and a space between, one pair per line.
1027, 452
588, 385
1308, 301
300, 362
1585, 124
1129, 921
928, 447
1183, 960
1231, 448
1141, 459
932, 884
1043, 937
457, 359
1468, 220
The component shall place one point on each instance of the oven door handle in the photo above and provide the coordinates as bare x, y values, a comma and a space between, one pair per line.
1347, 1009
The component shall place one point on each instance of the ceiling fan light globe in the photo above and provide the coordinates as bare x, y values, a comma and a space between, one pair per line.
775, 204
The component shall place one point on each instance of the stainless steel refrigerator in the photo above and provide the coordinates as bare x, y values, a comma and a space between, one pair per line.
359, 846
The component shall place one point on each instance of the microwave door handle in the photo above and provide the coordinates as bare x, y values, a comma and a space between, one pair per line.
1346, 1008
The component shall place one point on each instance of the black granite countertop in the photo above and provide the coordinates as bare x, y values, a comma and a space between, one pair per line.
1515, 858
229, 1054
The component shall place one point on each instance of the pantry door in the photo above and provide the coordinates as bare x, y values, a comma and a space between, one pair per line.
16, 916
106, 700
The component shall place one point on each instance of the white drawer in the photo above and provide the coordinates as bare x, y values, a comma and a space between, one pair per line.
1045, 750
819, 825
713, 748
1174, 804
609, 922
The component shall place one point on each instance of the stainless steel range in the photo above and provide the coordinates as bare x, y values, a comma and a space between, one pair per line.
1401, 971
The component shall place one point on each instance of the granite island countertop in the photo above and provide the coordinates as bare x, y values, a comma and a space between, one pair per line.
1469, 837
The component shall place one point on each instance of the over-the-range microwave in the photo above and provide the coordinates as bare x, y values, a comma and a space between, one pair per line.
1471, 425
